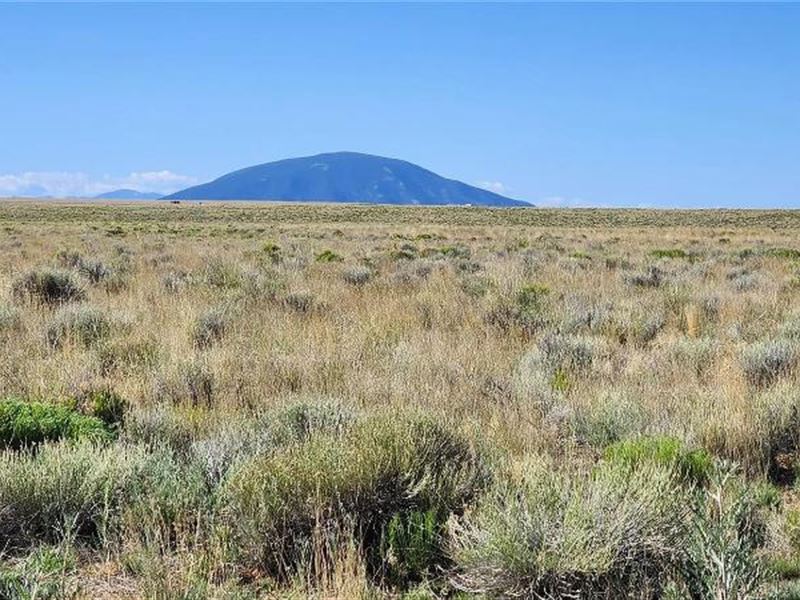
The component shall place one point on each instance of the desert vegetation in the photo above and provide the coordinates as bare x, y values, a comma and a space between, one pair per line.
239, 401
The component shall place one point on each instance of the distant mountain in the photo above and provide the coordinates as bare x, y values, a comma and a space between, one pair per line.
343, 177
129, 195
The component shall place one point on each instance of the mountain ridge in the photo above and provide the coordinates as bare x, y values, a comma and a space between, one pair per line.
128, 194
343, 177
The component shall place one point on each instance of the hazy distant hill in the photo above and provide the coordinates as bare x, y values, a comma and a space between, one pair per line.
129, 195
343, 177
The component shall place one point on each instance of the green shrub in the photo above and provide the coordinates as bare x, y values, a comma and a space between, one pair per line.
412, 546
24, 424
48, 286
106, 405
272, 251
328, 256
404, 252
786, 568
82, 324
669, 253
792, 528
45, 574
787, 253
455, 251
526, 312
531, 299
354, 480
766, 495
693, 465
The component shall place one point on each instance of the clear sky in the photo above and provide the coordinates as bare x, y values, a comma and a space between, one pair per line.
587, 104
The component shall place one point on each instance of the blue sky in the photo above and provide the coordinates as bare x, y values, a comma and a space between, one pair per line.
575, 104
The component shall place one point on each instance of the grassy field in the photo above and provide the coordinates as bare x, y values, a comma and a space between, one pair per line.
294, 401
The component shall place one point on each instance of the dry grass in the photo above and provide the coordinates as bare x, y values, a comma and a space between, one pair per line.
529, 333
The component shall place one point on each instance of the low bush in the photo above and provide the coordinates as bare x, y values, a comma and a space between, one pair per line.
721, 555
693, 355
300, 302
82, 324
530, 299
763, 363
210, 327
94, 270
787, 253
404, 252
124, 355
48, 286
25, 424
412, 546
617, 532
457, 251
82, 490
652, 277
241, 438
357, 480
526, 313
175, 282
221, 274
607, 419
357, 276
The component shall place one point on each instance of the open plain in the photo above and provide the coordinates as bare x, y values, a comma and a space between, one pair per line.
240, 400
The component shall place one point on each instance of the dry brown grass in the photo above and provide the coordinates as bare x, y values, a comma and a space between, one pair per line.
438, 329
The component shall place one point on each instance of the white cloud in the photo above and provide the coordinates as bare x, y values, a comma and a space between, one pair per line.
494, 186
72, 184
562, 201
